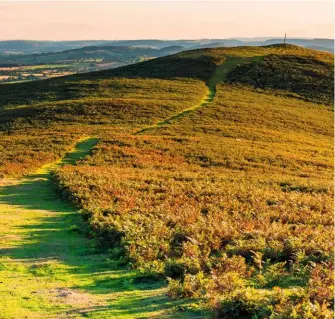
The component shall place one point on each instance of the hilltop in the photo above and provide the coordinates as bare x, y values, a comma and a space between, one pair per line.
282, 69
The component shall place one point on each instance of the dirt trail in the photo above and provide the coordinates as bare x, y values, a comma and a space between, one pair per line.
205, 101
219, 75
49, 269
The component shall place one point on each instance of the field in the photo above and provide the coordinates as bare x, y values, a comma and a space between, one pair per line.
33, 72
40, 66
13, 74
202, 177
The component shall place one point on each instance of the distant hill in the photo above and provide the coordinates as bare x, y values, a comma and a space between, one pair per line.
103, 53
210, 45
285, 69
36, 47
318, 48
30, 47
171, 49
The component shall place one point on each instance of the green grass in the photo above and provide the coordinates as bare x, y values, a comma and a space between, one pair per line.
208, 98
50, 269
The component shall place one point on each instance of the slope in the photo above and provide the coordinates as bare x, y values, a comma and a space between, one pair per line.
219, 75
231, 200
94, 93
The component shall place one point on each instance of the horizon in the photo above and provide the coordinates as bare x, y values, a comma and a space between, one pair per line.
264, 38
164, 20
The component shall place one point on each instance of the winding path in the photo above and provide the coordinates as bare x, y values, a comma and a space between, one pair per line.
220, 75
205, 101
49, 269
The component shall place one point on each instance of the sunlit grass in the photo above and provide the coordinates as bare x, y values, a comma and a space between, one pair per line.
49, 268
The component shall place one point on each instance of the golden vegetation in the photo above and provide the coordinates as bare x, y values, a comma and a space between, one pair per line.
23, 152
233, 202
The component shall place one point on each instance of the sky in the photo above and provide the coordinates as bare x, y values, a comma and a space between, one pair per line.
109, 20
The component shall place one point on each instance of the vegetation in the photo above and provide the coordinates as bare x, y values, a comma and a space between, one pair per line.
111, 101
24, 152
201, 208
50, 269
230, 200
29, 67
303, 77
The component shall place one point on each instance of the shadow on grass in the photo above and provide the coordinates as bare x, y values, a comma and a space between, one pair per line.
133, 308
55, 234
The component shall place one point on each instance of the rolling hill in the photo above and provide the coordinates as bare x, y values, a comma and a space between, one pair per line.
102, 53
42, 59
309, 77
36, 47
211, 174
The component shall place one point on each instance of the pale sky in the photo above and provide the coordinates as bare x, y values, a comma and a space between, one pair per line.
79, 20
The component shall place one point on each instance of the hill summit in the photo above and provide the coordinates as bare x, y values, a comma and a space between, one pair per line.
284, 69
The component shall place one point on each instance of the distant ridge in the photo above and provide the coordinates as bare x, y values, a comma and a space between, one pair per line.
31, 46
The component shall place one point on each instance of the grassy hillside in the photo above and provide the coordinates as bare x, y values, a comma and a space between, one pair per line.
23, 152
32, 134
303, 77
230, 200
199, 64
114, 101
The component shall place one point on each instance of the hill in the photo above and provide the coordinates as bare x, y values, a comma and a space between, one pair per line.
80, 57
92, 53
323, 44
29, 67
30, 47
213, 170
309, 77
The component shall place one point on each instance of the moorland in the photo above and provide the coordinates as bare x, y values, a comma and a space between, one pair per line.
22, 60
193, 185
